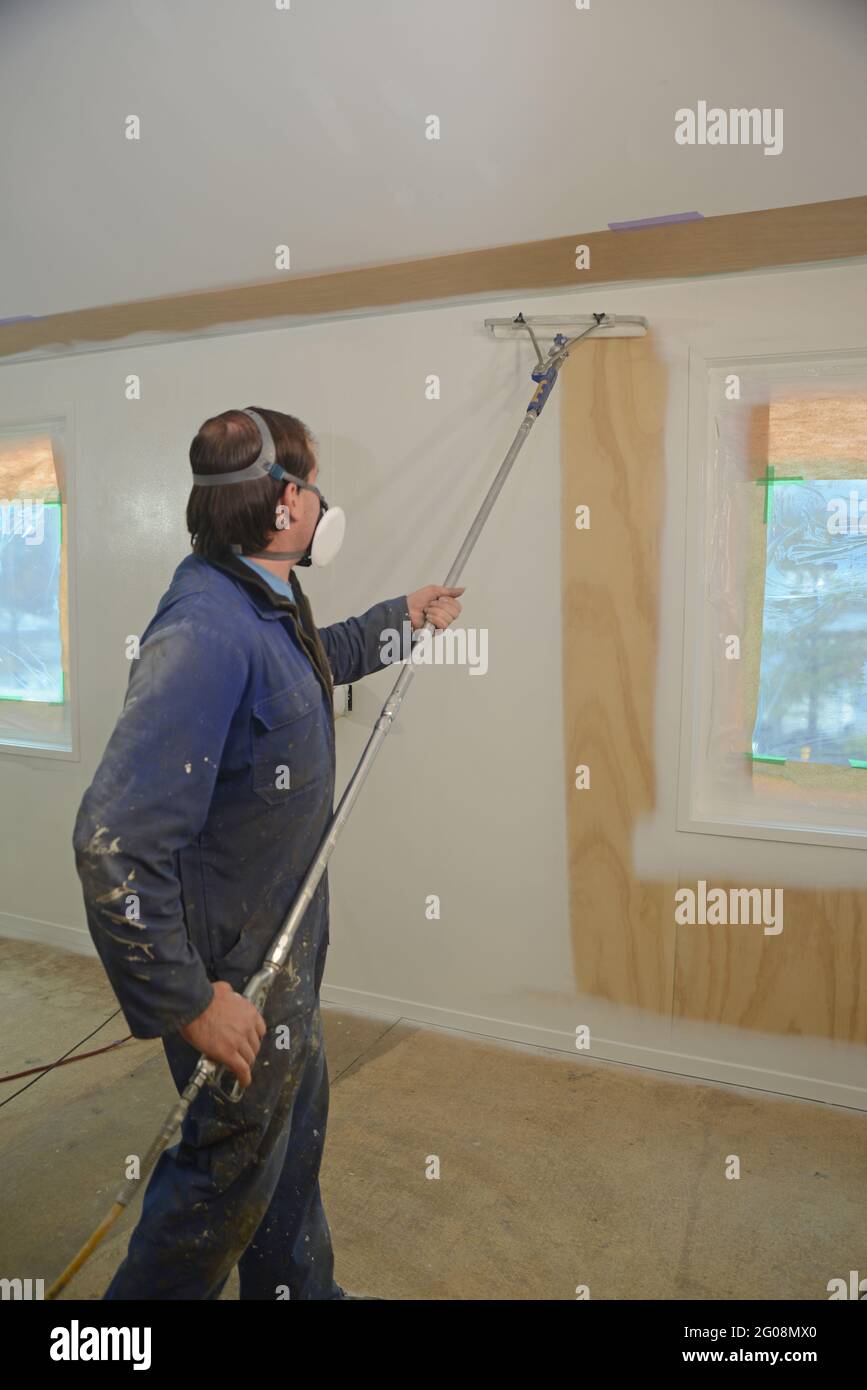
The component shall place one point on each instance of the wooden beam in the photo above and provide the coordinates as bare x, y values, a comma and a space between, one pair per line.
712, 246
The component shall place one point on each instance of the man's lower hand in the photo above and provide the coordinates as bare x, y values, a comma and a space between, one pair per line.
229, 1031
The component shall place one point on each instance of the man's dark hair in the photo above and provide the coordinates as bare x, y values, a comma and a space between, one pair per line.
243, 514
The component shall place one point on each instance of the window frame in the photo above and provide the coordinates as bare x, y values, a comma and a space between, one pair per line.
697, 677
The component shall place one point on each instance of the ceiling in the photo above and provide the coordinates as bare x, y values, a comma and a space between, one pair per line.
306, 127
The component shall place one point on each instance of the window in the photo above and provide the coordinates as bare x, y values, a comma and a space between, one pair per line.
775, 708
34, 597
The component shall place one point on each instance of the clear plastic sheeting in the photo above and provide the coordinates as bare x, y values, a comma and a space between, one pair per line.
812, 702
36, 712
775, 699
31, 647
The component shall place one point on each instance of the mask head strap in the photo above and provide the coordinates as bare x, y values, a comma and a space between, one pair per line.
265, 464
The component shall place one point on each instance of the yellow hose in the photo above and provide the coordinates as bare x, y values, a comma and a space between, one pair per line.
86, 1250
205, 1071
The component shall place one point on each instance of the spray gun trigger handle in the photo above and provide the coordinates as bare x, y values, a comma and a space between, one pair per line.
234, 1091
257, 993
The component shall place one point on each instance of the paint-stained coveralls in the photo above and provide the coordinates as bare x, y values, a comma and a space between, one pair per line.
191, 842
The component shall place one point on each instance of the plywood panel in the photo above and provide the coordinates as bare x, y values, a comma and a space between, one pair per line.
811, 980
808, 982
613, 406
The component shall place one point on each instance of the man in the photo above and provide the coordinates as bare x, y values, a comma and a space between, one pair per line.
192, 841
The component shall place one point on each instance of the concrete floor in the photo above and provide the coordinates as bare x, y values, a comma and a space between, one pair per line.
555, 1171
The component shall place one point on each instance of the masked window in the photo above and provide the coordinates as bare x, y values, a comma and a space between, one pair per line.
812, 700
34, 636
775, 712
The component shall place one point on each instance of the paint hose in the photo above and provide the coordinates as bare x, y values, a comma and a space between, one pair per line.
205, 1070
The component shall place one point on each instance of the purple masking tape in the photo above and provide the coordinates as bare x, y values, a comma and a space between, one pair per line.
19, 318
656, 221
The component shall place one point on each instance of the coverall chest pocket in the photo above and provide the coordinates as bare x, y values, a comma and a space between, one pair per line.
289, 746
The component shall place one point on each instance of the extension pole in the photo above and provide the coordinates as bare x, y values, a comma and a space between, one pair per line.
206, 1071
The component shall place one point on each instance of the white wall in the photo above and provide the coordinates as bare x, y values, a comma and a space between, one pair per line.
307, 126
466, 799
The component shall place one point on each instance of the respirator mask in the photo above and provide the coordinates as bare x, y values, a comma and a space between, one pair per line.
329, 530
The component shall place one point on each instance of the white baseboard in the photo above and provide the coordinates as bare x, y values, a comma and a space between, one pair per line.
690, 1067
65, 938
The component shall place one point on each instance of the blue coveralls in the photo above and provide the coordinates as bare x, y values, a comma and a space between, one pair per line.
191, 847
